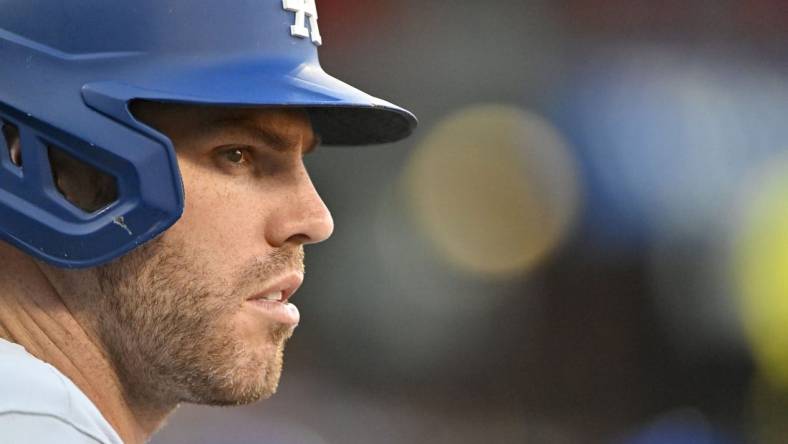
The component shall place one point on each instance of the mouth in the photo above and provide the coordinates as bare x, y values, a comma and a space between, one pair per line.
273, 302
280, 290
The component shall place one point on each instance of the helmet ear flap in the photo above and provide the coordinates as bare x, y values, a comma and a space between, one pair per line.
81, 201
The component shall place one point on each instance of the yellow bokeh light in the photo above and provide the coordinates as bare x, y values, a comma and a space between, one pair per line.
761, 271
494, 188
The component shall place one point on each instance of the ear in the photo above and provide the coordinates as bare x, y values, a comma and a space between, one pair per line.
84, 186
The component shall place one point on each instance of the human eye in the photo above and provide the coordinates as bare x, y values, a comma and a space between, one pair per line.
235, 156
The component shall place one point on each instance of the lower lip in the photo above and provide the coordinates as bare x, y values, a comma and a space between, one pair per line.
283, 313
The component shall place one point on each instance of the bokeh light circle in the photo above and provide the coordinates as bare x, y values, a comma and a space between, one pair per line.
760, 268
494, 188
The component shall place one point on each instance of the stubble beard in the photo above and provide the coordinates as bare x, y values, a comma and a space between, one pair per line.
167, 324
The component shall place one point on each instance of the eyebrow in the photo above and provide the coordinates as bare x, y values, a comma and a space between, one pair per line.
271, 138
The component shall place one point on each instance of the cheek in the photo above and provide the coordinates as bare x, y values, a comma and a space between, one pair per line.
222, 216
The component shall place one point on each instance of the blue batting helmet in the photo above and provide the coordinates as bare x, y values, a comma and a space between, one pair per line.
71, 68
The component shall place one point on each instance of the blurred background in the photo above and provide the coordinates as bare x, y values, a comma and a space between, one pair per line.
586, 241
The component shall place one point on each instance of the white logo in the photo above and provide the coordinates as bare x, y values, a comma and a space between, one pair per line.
303, 9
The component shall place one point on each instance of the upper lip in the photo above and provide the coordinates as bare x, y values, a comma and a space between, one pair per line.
287, 284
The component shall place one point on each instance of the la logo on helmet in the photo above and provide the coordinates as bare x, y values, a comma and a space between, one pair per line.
304, 9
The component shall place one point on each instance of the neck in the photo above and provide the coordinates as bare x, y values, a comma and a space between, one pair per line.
35, 316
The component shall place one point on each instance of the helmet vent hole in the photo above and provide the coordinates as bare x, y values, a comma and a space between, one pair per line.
86, 187
11, 136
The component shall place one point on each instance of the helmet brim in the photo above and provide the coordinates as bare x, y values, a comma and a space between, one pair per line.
340, 113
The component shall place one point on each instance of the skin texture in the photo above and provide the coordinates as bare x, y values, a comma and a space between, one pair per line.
170, 322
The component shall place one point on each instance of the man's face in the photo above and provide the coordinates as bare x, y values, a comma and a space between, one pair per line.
176, 315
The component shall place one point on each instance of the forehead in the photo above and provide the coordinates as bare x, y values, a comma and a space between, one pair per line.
180, 120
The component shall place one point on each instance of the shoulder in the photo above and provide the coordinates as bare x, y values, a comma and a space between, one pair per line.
28, 384
34, 392
23, 427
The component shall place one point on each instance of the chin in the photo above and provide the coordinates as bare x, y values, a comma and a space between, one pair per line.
251, 379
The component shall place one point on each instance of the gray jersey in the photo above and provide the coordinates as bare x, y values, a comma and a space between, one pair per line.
38, 404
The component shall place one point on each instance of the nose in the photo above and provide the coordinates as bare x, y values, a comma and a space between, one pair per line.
303, 217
